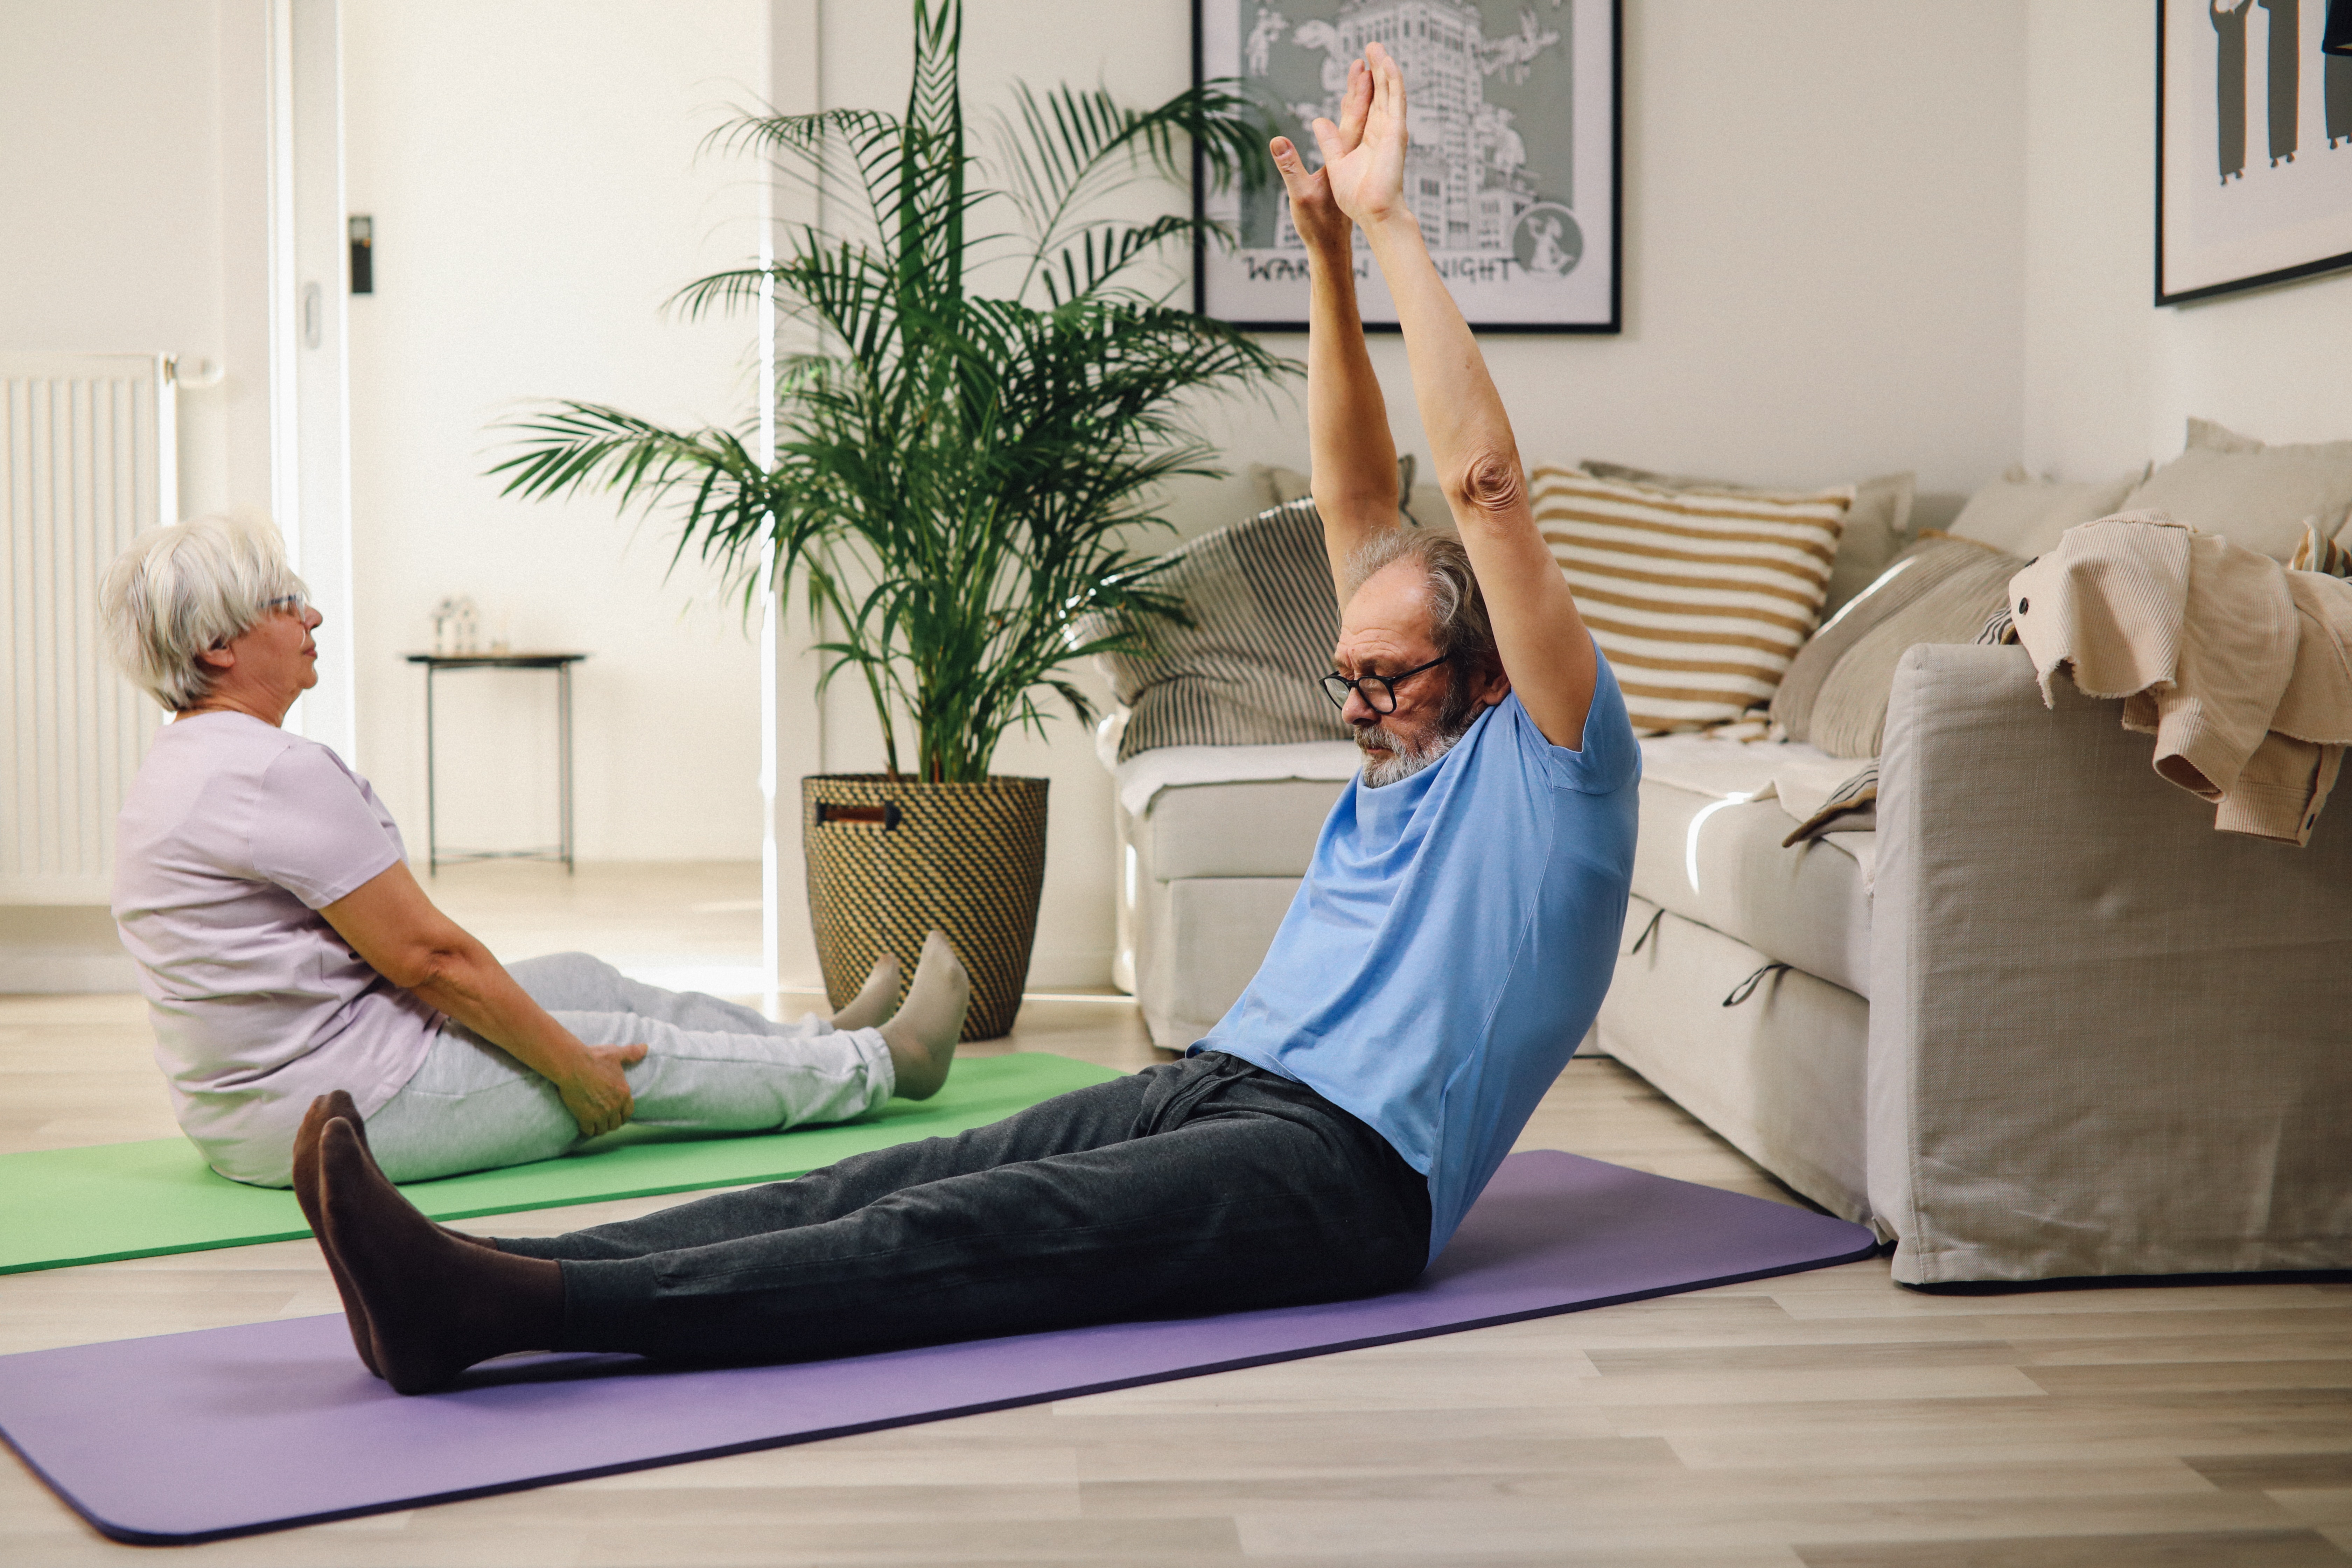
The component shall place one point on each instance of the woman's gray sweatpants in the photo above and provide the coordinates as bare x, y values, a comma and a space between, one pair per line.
710, 1065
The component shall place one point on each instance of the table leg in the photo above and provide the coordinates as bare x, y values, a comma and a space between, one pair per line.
432, 805
563, 736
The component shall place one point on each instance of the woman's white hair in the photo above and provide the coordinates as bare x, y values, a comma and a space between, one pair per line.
177, 591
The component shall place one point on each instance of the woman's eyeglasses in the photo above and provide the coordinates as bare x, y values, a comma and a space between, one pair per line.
1379, 691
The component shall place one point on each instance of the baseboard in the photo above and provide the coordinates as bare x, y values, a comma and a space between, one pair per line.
1069, 968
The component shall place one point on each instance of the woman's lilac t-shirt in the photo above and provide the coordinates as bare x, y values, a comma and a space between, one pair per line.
234, 835
1452, 941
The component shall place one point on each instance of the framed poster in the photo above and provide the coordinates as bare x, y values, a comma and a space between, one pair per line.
1513, 171
2253, 147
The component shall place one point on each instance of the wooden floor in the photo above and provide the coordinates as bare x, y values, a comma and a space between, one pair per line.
1825, 1418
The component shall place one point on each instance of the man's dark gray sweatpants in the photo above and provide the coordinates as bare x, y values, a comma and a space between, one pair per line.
1200, 1185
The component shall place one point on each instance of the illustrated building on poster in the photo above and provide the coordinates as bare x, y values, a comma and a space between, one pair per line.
1512, 167
1466, 175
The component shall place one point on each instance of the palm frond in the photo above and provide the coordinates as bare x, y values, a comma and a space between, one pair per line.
1065, 150
957, 478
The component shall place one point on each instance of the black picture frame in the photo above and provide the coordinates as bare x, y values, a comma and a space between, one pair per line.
1205, 258
2181, 276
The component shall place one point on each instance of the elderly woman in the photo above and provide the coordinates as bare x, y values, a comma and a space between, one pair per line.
287, 951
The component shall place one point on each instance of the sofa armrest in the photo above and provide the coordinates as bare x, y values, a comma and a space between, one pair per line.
2104, 1038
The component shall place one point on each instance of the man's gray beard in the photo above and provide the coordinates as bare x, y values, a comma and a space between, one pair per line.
1404, 761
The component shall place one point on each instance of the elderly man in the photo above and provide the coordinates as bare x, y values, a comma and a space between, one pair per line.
1443, 956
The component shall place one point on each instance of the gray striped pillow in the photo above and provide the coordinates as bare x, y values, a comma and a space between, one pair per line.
1698, 598
1244, 672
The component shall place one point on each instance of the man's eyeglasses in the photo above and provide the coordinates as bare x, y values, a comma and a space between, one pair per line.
295, 605
1379, 691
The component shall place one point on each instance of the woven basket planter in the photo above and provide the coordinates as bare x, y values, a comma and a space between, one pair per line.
889, 860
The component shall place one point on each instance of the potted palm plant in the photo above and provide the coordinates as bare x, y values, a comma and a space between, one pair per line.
957, 476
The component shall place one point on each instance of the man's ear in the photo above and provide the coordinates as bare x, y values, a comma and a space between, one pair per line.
223, 658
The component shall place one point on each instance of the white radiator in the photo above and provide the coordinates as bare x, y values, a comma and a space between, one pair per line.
87, 459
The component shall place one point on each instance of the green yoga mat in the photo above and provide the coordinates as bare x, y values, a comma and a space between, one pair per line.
63, 1206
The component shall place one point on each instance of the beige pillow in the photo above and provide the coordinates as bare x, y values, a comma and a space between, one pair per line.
1698, 598
2024, 515
2220, 437
2254, 495
1875, 527
1939, 591
1424, 505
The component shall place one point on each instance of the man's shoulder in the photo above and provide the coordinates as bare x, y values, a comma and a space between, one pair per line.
1607, 760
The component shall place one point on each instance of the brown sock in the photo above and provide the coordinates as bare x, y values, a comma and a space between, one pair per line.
434, 1306
322, 1110
339, 1103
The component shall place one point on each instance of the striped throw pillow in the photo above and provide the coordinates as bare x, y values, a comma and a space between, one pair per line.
1698, 598
1245, 671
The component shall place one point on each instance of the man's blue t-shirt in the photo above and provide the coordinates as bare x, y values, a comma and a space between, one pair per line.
1451, 942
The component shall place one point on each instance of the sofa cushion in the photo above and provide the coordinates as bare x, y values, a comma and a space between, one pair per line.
1243, 673
1782, 1077
2024, 515
1699, 598
2256, 495
1258, 828
1940, 590
1200, 943
1719, 861
1877, 526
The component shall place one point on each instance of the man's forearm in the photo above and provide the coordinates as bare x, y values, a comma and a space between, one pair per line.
1353, 457
1460, 409
1541, 638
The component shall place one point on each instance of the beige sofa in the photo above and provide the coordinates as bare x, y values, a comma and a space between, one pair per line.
2045, 1022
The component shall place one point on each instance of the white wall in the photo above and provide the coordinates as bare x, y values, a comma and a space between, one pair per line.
134, 219
133, 214
532, 169
2111, 379
1823, 275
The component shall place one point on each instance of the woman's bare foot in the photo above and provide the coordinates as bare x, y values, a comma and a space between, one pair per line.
922, 1034
872, 1002
434, 1305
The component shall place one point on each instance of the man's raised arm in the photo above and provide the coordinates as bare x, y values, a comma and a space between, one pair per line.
1352, 456
1546, 650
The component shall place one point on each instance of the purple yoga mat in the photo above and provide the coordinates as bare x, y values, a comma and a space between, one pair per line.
186, 1437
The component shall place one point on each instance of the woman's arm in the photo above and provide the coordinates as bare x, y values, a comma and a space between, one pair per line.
1352, 458
1546, 650
389, 922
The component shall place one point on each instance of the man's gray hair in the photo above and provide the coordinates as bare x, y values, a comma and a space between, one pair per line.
1457, 610
177, 591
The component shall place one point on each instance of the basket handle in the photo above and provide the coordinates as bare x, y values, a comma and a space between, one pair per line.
887, 813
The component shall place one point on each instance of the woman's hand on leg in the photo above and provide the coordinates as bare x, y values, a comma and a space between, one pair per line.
389, 922
594, 1090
